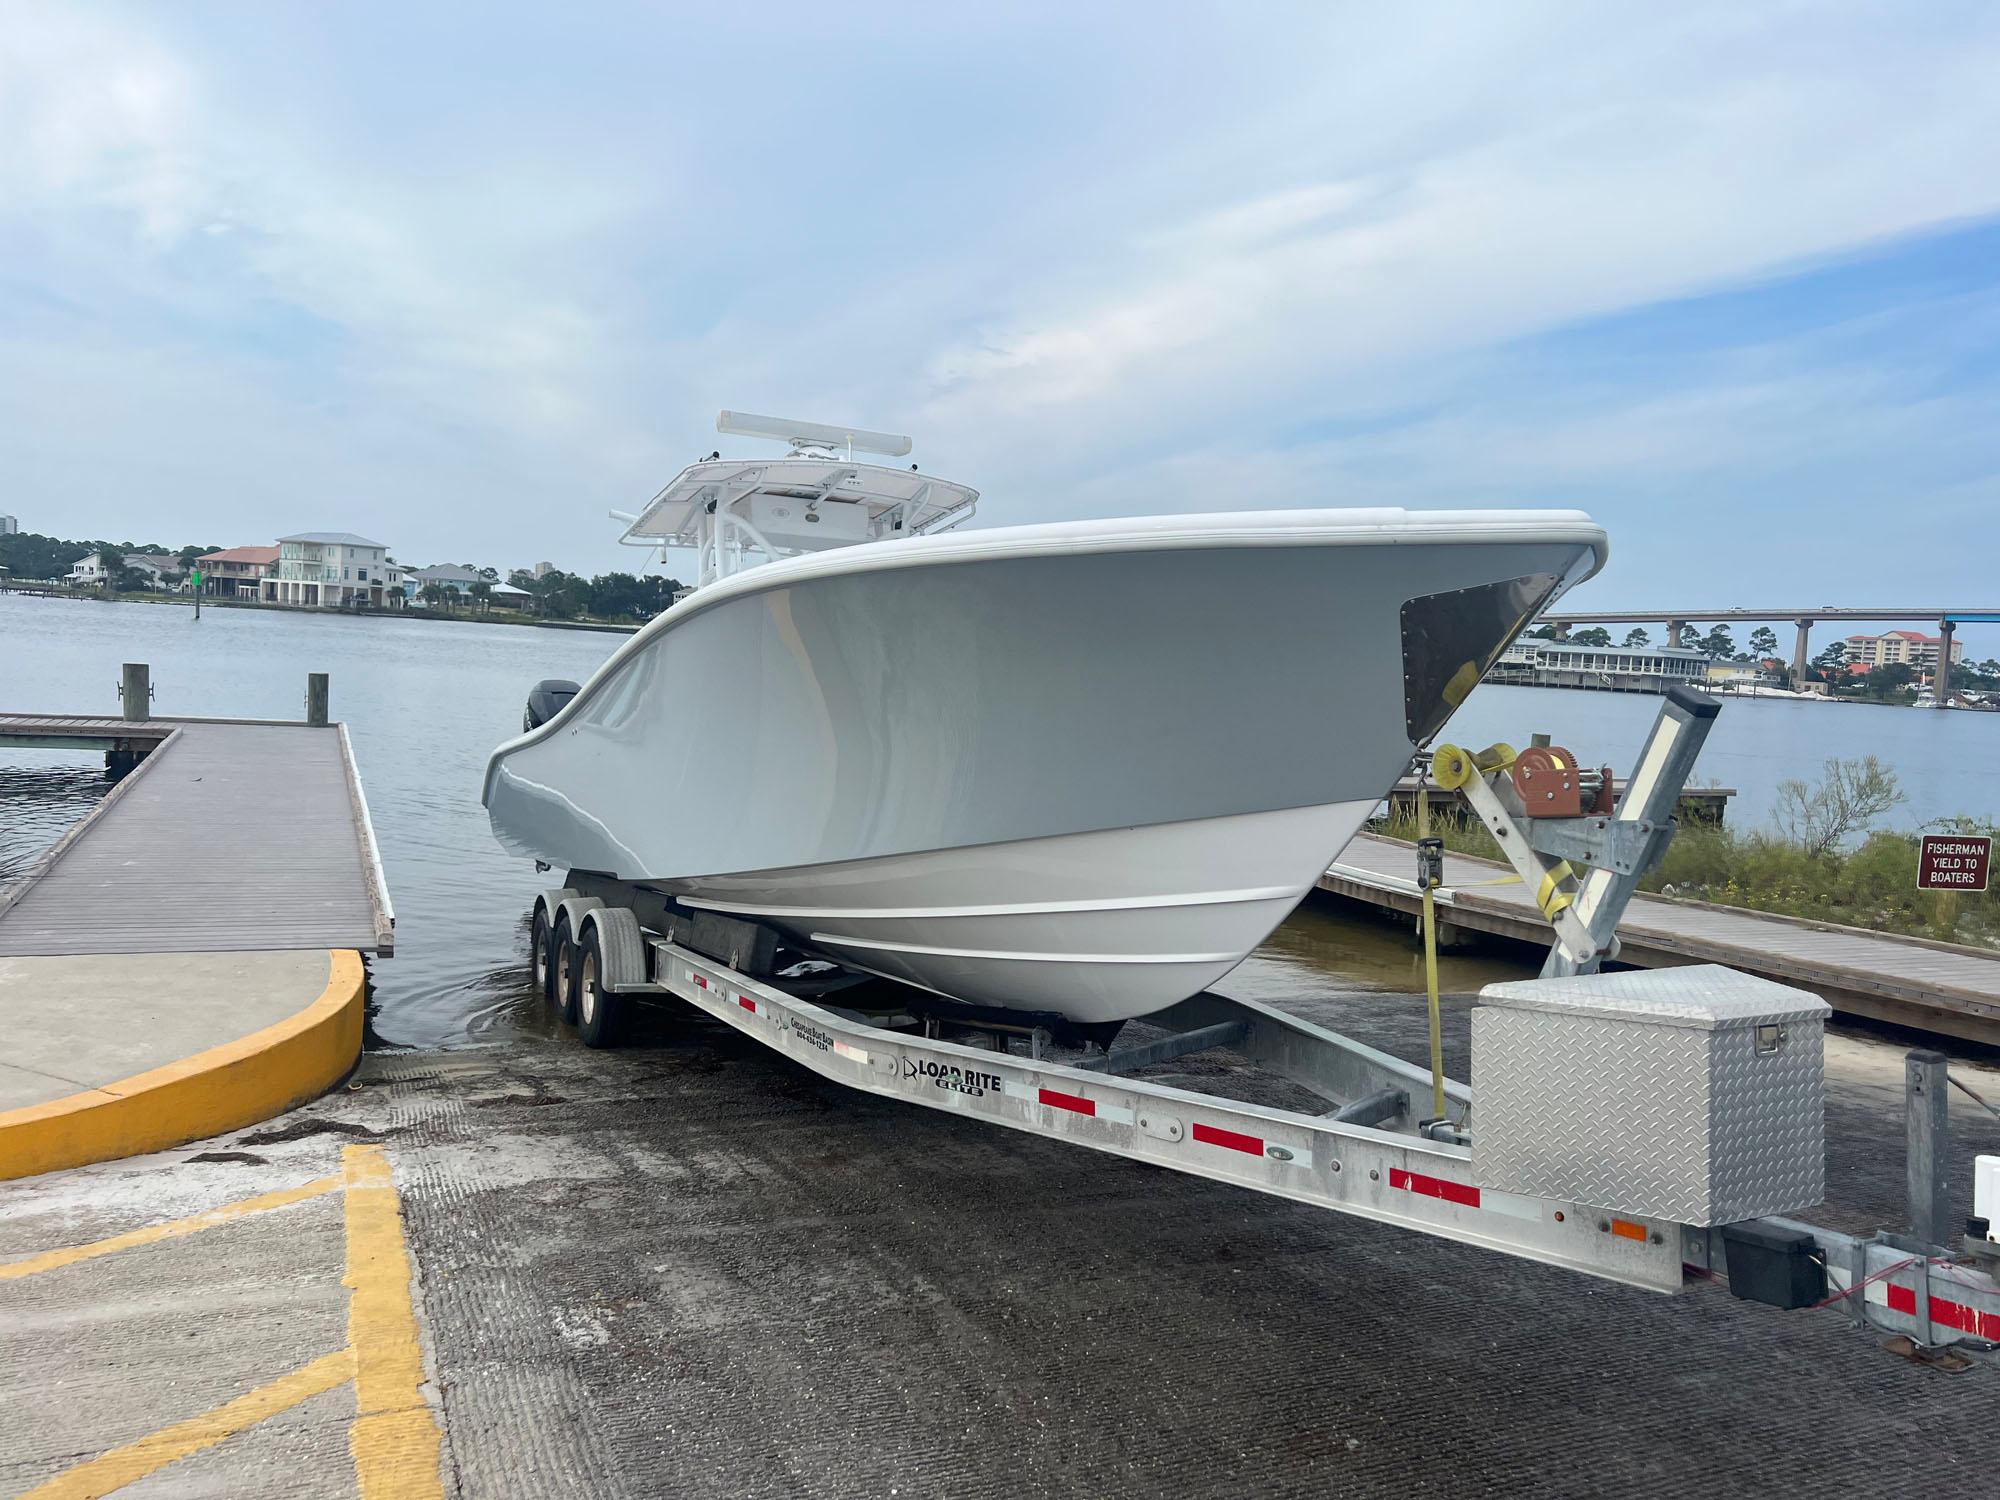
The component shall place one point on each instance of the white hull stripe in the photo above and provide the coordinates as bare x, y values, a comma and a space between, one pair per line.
1021, 909
1004, 955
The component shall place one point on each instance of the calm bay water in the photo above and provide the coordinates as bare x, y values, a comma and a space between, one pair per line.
425, 702
1948, 762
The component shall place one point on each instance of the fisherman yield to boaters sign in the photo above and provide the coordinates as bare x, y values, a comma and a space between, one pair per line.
1953, 861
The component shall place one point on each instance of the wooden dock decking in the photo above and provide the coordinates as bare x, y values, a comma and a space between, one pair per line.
1936, 987
231, 836
78, 731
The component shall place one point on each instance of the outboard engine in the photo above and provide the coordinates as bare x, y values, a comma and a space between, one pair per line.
548, 699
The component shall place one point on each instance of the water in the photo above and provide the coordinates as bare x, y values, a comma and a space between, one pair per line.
426, 701
1948, 763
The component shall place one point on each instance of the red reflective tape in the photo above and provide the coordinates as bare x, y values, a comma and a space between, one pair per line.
1075, 1103
1212, 1136
698, 979
1954, 1315
1946, 1314
747, 1003
1433, 1187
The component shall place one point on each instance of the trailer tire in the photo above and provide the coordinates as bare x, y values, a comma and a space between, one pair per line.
542, 942
600, 1010
562, 969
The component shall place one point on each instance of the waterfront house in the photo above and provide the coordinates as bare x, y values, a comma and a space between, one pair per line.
459, 580
152, 566
236, 571
1732, 676
330, 570
447, 576
1617, 669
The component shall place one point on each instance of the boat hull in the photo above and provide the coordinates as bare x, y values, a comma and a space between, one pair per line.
1073, 769
1096, 926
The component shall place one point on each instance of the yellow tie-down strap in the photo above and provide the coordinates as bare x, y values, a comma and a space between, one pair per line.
1551, 898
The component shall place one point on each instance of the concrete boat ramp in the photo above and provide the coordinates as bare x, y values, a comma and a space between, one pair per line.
692, 1267
186, 959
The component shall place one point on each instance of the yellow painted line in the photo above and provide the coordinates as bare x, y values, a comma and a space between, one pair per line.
395, 1438
173, 1229
225, 1088
134, 1461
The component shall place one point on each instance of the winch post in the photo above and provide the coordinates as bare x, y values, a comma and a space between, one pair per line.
1927, 1131
1430, 875
1483, 781
1652, 794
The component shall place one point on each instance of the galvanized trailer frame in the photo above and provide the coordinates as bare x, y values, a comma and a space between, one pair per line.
1397, 1176
1371, 1152
1344, 1160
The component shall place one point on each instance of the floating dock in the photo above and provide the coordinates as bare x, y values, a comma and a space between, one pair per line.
187, 958
1936, 987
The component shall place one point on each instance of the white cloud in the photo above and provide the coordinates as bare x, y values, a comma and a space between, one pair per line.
1093, 266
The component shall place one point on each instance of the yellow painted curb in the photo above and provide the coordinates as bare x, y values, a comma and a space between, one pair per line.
224, 1088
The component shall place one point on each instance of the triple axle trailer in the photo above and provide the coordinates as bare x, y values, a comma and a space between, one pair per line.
1636, 1127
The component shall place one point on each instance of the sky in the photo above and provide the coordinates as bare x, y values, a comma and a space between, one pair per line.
464, 277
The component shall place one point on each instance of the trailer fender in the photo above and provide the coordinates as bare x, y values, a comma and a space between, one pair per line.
620, 943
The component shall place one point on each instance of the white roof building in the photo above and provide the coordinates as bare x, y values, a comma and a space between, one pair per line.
91, 569
332, 570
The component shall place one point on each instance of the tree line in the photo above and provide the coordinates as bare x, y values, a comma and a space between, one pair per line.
28, 554
608, 596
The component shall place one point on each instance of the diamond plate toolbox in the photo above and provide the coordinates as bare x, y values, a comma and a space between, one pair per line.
1693, 1094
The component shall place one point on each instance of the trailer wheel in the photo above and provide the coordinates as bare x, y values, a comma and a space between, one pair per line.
564, 950
538, 950
600, 1011
542, 942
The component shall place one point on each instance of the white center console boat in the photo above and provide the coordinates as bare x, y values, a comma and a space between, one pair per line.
1080, 768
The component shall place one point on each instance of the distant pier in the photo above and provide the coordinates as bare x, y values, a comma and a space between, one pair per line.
1936, 987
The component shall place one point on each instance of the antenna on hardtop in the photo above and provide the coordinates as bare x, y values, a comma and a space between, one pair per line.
812, 437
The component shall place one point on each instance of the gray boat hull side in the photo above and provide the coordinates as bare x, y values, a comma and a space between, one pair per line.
1098, 926
892, 711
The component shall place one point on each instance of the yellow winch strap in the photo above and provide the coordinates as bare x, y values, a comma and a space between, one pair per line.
1551, 898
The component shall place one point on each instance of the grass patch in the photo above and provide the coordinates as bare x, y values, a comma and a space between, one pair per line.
1462, 833
1873, 885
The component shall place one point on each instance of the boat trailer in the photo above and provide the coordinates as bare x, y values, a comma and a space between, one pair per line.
1640, 1127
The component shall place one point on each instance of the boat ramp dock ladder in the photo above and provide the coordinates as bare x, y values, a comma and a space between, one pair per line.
1366, 1146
